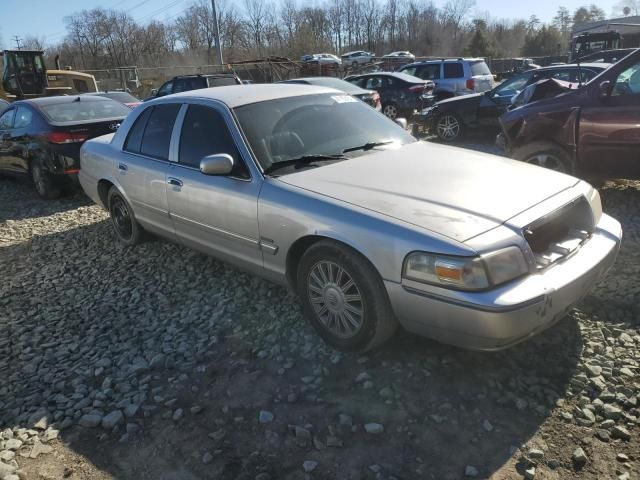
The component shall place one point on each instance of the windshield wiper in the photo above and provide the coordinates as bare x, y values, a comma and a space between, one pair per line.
304, 160
367, 146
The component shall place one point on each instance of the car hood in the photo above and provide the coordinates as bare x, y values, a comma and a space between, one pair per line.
462, 101
448, 190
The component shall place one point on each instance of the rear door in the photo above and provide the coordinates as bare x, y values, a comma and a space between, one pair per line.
6, 150
216, 214
609, 130
19, 140
143, 166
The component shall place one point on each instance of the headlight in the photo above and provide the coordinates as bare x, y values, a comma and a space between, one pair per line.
466, 273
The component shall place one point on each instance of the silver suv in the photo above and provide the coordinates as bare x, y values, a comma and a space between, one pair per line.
356, 58
453, 77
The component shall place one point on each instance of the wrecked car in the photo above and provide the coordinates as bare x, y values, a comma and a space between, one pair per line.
592, 131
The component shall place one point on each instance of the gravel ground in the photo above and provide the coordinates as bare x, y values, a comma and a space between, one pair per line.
156, 362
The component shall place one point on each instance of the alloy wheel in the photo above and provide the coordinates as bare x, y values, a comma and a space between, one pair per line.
390, 111
121, 218
448, 127
546, 160
336, 299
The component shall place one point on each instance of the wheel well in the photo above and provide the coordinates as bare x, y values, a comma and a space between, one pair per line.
103, 191
300, 246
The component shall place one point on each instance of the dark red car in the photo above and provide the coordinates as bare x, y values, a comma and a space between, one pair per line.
593, 131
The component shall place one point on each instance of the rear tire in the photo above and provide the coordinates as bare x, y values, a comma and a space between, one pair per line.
344, 298
125, 226
45, 183
545, 154
391, 110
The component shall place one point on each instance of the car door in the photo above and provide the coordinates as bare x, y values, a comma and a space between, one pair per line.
20, 140
6, 150
144, 163
215, 214
609, 129
495, 102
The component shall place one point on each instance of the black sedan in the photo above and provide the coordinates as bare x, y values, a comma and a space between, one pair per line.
449, 119
42, 137
400, 94
370, 97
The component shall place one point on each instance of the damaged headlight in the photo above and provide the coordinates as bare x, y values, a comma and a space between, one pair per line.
466, 273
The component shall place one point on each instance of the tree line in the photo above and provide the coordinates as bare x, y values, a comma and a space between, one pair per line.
102, 38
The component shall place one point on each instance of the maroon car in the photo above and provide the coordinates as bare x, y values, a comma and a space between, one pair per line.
592, 131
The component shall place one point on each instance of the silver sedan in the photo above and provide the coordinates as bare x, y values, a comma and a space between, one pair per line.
313, 189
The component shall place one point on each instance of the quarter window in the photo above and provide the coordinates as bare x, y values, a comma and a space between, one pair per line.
204, 132
134, 140
23, 118
6, 120
453, 70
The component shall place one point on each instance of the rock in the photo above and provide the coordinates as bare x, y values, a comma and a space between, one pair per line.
13, 444
333, 441
487, 426
11, 477
131, 410
114, 418
530, 473
6, 470
7, 455
265, 416
39, 449
207, 458
594, 370
345, 420
471, 471
621, 433
374, 428
301, 433
362, 377
90, 420
309, 465
521, 404
50, 434
612, 412
536, 454
196, 409
621, 457
588, 415
39, 419
602, 435
386, 392
579, 458
177, 414
217, 435
623, 476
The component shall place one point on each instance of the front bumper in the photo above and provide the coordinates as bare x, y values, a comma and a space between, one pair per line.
502, 317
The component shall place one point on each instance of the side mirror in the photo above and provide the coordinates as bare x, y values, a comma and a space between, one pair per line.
604, 89
154, 92
218, 164
401, 121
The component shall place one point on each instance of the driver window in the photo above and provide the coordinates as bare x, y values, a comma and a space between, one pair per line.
628, 82
204, 132
6, 120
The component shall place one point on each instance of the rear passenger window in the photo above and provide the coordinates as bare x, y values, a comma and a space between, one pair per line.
453, 70
157, 134
134, 139
23, 118
6, 120
204, 132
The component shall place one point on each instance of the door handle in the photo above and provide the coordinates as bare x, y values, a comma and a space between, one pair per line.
123, 167
174, 181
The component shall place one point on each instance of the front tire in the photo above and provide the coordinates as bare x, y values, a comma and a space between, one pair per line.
449, 127
545, 154
390, 110
344, 298
46, 184
126, 227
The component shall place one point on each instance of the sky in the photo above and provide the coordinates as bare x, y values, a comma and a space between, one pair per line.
46, 17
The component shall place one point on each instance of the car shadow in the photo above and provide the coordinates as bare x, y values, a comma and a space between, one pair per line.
30, 204
90, 325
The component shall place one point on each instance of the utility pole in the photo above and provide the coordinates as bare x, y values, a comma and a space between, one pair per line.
17, 39
216, 31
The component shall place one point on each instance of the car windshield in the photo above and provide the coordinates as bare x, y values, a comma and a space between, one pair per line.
326, 124
84, 110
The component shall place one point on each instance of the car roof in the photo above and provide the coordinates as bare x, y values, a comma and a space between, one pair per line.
204, 75
238, 95
601, 65
327, 82
440, 60
402, 76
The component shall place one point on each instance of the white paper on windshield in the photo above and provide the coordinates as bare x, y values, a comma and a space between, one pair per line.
344, 98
